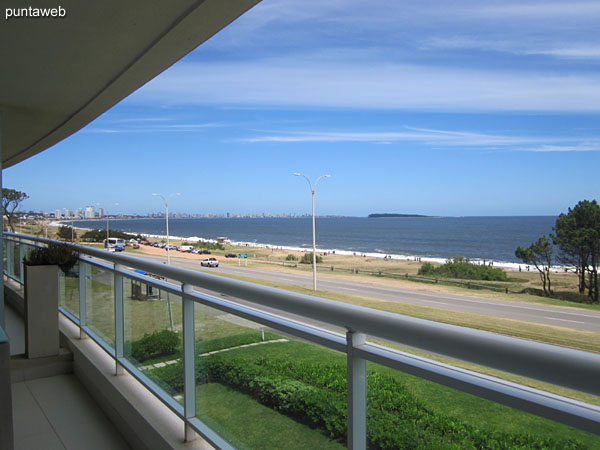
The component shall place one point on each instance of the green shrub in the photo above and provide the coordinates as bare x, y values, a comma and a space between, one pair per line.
307, 258
53, 254
209, 245
463, 269
315, 394
154, 345
427, 269
100, 235
291, 257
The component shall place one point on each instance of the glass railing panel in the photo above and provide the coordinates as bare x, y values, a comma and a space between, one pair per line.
152, 329
404, 411
258, 388
100, 311
69, 290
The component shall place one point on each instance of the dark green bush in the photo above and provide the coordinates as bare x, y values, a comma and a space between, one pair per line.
209, 245
315, 394
100, 235
53, 254
307, 258
154, 345
291, 257
463, 269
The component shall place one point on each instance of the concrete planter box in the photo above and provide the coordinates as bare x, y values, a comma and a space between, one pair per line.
41, 311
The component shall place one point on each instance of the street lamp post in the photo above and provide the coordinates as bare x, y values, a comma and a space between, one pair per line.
107, 219
168, 250
72, 234
167, 214
312, 190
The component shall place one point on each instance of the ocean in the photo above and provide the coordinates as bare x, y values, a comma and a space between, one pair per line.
431, 238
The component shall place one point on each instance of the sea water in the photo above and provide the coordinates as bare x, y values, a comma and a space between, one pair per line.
431, 238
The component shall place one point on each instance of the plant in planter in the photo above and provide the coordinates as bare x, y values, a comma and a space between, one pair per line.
41, 297
59, 255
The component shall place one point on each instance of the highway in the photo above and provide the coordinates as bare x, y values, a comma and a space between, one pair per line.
568, 317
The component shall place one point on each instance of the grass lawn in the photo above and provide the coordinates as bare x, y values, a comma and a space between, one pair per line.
579, 339
248, 424
478, 412
235, 411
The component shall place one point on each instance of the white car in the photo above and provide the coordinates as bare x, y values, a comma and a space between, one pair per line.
210, 262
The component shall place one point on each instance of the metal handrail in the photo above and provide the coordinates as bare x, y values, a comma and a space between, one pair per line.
565, 367
543, 362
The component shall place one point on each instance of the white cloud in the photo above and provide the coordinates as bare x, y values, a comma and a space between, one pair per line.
145, 125
435, 138
314, 82
559, 10
516, 47
582, 52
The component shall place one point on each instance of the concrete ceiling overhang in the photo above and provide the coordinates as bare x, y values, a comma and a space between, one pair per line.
59, 74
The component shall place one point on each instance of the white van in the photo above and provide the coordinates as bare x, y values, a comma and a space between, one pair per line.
114, 244
185, 248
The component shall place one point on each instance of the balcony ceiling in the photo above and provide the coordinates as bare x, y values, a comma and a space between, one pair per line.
59, 74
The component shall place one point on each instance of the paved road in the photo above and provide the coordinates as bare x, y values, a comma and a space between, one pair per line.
574, 318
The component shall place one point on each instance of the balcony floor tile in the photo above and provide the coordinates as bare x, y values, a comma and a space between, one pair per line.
60, 407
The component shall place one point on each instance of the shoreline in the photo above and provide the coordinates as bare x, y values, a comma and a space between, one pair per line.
508, 265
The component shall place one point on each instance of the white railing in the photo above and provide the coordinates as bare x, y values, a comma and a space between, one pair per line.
560, 366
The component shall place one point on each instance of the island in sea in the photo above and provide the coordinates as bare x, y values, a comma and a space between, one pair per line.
379, 215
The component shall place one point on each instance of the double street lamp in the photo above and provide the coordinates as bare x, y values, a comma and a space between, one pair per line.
165, 200
312, 190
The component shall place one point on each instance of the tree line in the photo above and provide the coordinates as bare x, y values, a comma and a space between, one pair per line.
574, 243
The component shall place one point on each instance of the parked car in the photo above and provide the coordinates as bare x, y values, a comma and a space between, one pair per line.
230, 255
206, 252
136, 245
210, 262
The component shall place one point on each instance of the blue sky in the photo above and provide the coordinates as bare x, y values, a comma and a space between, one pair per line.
429, 107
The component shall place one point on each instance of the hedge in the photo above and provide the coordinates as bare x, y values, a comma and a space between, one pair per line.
154, 345
463, 269
315, 394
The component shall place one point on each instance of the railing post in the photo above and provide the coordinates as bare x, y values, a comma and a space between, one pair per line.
189, 375
119, 336
21, 264
10, 261
357, 393
83, 270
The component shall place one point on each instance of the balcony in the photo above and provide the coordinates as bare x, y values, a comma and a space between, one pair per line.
236, 363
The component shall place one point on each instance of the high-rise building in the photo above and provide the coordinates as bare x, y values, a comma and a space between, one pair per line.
101, 213
90, 212
57, 213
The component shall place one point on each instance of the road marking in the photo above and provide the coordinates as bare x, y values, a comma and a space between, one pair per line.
432, 301
350, 289
562, 320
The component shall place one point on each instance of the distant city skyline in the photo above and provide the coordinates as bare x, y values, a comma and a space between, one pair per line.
466, 108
